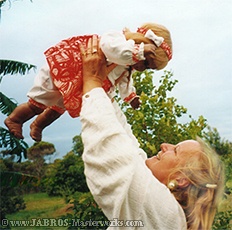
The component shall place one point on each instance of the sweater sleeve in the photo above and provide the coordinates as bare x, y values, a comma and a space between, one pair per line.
119, 50
116, 172
126, 89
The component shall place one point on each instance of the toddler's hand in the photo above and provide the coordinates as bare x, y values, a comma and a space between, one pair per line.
135, 103
149, 50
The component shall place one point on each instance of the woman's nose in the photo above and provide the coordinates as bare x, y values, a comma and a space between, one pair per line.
165, 146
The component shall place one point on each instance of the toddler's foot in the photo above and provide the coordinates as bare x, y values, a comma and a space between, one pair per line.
14, 128
36, 132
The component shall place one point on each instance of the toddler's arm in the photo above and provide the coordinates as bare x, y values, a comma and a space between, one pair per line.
119, 50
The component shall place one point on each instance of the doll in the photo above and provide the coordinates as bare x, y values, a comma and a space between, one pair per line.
58, 85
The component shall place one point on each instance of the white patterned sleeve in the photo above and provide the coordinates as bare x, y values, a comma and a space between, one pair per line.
119, 50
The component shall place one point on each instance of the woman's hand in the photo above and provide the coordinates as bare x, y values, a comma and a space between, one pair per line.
95, 67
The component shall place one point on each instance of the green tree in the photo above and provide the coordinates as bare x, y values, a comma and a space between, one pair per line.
157, 119
8, 143
84, 207
10, 199
66, 176
223, 147
37, 154
77, 145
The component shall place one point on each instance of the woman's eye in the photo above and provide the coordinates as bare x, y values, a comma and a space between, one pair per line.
175, 150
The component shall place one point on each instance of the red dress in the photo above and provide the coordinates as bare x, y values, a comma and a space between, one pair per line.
65, 63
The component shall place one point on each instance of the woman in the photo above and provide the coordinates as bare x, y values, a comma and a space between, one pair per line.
179, 188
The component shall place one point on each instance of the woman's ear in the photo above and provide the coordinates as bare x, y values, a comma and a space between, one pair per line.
182, 182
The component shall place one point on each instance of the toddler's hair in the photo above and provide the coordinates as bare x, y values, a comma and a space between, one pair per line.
161, 59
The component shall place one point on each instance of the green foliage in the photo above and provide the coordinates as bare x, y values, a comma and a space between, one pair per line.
14, 67
10, 198
66, 176
77, 145
23, 174
221, 146
224, 149
11, 201
156, 121
14, 179
228, 172
223, 220
12, 185
11, 145
37, 153
7, 105
40, 149
86, 209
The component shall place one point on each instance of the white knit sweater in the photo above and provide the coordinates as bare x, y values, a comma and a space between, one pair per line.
116, 172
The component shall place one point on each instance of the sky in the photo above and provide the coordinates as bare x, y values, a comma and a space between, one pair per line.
201, 33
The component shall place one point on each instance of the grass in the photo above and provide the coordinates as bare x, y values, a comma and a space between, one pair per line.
40, 206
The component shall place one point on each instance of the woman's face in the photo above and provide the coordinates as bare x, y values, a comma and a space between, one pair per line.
169, 157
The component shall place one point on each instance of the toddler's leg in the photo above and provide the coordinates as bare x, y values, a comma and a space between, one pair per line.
21, 114
43, 120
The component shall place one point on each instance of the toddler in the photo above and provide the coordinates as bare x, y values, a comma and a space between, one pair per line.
58, 85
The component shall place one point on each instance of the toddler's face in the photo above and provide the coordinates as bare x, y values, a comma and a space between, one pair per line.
140, 66
148, 63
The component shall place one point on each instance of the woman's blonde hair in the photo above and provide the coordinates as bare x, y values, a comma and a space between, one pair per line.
161, 59
201, 197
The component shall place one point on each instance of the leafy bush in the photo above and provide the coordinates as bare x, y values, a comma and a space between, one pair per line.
10, 201
86, 210
157, 119
223, 220
66, 176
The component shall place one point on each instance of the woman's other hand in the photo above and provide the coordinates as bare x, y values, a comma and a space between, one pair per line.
95, 67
